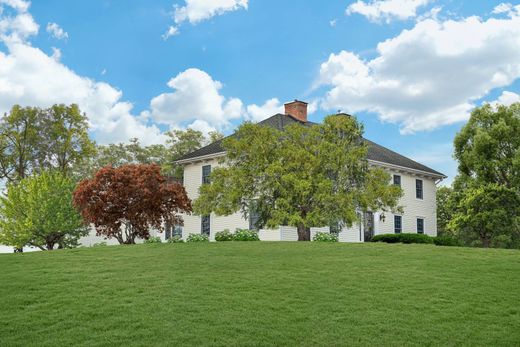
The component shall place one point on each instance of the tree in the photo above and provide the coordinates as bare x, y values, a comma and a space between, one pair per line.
38, 212
125, 202
304, 176
33, 140
445, 209
488, 152
488, 212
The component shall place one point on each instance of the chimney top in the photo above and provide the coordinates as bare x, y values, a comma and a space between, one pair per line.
297, 109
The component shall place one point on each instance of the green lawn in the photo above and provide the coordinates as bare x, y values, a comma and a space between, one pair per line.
261, 294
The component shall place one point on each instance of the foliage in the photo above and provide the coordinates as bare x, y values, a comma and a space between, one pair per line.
197, 238
33, 140
486, 212
487, 189
125, 202
38, 211
445, 209
403, 238
153, 239
303, 176
178, 143
262, 294
246, 235
224, 235
325, 237
175, 239
446, 241
100, 244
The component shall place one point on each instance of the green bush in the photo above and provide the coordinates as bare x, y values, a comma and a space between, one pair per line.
403, 238
175, 239
100, 244
246, 235
325, 237
225, 235
446, 241
197, 238
153, 239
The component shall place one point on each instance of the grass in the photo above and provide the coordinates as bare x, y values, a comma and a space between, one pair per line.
261, 294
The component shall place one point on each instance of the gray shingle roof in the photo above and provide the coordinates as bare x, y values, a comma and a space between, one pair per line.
280, 121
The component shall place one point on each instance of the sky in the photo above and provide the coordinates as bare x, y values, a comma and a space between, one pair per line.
410, 70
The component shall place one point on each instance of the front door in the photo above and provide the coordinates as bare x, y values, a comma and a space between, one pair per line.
369, 226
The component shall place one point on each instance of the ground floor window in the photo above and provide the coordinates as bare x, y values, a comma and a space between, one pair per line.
398, 224
420, 225
171, 230
205, 225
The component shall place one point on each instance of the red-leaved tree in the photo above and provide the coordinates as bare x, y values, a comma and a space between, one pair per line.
125, 202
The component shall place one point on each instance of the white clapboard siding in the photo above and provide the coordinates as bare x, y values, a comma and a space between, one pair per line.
288, 233
269, 235
351, 234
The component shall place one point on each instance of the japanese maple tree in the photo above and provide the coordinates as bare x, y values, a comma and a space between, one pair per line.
126, 202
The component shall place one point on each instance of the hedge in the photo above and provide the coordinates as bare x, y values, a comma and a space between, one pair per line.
403, 238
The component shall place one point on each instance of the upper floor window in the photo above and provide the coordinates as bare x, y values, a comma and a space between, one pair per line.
419, 189
397, 180
205, 225
206, 172
398, 224
420, 225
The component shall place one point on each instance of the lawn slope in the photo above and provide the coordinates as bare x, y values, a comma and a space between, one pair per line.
261, 294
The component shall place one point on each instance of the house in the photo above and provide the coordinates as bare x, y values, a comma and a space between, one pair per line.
417, 181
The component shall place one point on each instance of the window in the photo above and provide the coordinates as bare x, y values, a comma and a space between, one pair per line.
206, 172
171, 230
420, 225
254, 219
398, 224
397, 180
419, 189
205, 225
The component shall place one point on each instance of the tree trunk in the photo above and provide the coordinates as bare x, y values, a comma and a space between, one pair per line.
304, 233
486, 242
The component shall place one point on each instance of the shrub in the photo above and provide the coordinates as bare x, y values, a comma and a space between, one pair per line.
403, 238
175, 239
100, 244
225, 235
153, 239
325, 237
246, 235
197, 238
446, 241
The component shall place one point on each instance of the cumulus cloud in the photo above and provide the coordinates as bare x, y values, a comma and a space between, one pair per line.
258, 113
428, 76
196, 96
386, 10
507, 98
195, 11
17, 26
56, 31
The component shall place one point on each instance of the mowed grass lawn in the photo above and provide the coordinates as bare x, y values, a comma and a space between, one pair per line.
261, 294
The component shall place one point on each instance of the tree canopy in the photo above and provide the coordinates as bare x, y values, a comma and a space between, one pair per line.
38, 212
126, 201
486, 192
34, 139
304, 176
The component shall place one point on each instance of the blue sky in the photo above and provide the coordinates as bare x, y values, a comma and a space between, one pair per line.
410, 70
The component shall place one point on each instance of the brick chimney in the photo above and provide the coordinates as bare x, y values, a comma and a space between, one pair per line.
297, 109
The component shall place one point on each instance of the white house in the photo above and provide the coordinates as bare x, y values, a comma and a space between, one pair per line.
417, 181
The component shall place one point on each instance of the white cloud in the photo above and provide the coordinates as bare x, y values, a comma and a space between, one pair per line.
17, 28
18, 5
56, 31
507, 98
386, 10
428, 76
196, 96
333, 22
257, 113
56, 54
196, 11
172, 31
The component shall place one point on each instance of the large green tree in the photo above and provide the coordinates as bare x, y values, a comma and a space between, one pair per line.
487, 189
37, 211
33, 140
445, 209
304, 176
